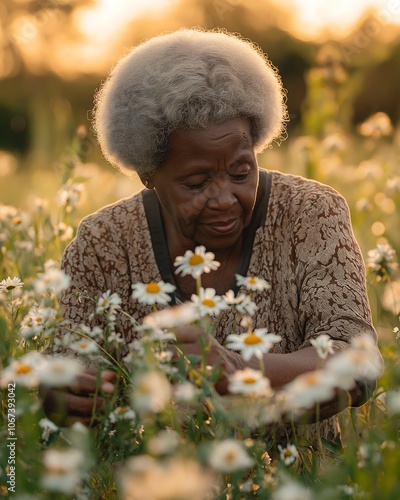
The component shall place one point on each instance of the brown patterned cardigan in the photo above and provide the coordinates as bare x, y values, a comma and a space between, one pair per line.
300, 241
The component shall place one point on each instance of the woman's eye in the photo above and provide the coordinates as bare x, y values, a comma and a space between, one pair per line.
240, 177
197, 186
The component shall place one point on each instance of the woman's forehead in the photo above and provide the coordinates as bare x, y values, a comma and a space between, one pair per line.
235, 131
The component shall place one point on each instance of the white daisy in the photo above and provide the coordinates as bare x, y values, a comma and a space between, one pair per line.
310, 388
84, 346
48, 428
65, 339
63, 470
164, 443
151, 392
242, 303
185, 392
10, 284
364, 343
108, 303
180, 315
377, 125
163, 356
152, 293
292, 490
253, 343
59, 371
122, 413
94, 333
53, 280
393, 401
196, 263
160, 479
148, 333
70, 195
252, 283
229, 456
289, 454
63, 232
324, 345
382, 260
209, 303
115, 337
23, 370
249, 381
36, 321
354, 364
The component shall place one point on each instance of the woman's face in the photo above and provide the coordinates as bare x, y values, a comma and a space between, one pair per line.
207, 186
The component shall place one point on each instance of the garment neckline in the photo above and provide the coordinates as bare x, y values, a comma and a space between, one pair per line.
159, 240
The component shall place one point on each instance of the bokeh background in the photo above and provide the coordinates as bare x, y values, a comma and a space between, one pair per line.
339, 61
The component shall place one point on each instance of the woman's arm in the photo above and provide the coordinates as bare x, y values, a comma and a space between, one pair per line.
279, 368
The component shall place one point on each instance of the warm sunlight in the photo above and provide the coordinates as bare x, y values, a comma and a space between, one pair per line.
312, 16
103, 20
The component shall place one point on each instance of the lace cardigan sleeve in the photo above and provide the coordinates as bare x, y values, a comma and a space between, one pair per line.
330, 271
82, 264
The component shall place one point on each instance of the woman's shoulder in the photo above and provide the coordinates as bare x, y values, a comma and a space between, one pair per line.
291, 183
121, 214
296, 192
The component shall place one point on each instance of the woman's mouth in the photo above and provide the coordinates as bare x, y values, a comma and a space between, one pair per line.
223, 227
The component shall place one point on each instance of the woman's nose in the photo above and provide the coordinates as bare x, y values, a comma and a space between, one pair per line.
221, 196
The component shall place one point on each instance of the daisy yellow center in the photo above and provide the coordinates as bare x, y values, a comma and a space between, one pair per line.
83, 344
208, 303
310, 379
153, 288
249, 380
122, 410
57, 469
195, 260
230, 456
252, 280
287, 453
358, 358
58, 369
104, 302
23, 369
144, 388
252, 339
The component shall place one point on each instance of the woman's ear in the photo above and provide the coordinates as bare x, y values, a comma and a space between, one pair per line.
147, 180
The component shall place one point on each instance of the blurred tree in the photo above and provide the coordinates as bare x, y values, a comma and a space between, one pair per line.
379, 90
46, 89
32, 108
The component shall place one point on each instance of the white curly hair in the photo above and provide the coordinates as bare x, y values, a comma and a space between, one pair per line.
187, 79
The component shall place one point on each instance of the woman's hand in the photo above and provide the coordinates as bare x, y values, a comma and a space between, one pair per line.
78, 402
326, 409
193, 340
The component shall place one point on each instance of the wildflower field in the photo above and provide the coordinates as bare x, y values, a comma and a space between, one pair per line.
166, 433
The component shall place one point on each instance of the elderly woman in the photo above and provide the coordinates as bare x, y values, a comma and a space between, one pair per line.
189, 111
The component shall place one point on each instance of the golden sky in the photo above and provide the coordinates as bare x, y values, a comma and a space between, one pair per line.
313, 16
93, 37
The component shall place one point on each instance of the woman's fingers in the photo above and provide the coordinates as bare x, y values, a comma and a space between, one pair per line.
108, 376
189, 334
87, 383
80, 400
83, 405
